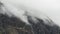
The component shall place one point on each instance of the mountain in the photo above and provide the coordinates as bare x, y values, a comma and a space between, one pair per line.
14, 25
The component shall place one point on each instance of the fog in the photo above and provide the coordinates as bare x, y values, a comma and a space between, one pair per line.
49, 7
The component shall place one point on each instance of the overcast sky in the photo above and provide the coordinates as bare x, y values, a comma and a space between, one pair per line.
50, 7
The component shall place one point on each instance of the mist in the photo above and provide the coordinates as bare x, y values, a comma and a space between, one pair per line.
51, 8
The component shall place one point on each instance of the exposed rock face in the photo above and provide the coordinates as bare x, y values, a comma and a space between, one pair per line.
41, 28
13, 25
